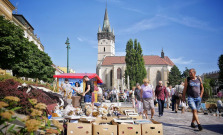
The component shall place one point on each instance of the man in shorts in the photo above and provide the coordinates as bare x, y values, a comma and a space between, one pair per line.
193, 86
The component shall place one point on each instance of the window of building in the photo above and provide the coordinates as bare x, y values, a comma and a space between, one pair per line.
158, 77
104, 49
119, 73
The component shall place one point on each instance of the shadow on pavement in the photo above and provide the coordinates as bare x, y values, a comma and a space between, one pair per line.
218, 128
176, 125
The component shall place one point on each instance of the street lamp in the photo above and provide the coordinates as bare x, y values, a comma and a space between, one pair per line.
68, 47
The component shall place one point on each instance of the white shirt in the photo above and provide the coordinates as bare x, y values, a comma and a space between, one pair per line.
67, 88
99, 90
173, 91
79, 89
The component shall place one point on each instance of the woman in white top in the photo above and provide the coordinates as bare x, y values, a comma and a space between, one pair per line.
78, 88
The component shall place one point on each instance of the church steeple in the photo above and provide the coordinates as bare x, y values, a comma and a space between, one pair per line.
162, 54
106, 40
106, 24
106, 32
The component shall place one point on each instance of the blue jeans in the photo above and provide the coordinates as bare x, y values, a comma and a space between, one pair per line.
194, 103
87, 98
161, 106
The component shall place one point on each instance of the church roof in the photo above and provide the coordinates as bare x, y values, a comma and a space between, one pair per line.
148, 59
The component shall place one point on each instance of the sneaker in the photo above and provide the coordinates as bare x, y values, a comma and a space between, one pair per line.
193, 125
200, 127
175, 111
160, 115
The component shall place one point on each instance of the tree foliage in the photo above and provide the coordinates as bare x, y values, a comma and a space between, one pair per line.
207, 87
21, 56
135, 67
220, 65
185, 74
174, 77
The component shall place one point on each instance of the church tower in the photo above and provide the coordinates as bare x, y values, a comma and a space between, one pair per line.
106, 41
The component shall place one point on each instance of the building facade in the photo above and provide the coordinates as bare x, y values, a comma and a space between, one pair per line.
6, 10
111, 68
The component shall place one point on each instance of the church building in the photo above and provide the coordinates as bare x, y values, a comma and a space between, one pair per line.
111, 68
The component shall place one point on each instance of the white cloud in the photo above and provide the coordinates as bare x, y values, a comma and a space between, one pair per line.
120, 53
93, 43
134, 10
189, 22
146, 24
181, 61
80, 39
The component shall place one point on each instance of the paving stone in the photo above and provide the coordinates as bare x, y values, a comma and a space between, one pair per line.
179, 124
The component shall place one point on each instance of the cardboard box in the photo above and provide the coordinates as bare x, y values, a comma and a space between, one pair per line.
128, 129
107, 120
139, 117
152, 129
122, 109
79, 129
104, 129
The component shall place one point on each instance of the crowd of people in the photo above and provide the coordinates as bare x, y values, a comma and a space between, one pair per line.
144, 97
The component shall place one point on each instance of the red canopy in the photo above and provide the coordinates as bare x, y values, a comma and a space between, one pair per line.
79, 76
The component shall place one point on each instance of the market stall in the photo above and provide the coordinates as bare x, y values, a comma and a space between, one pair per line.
78, 77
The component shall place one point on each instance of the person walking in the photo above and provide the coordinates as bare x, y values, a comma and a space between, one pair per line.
178, 95
173, 99
139, 105
168, 97
160, 94
147, 97
194, 89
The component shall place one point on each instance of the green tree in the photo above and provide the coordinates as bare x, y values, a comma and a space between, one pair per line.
174, 77
220, 64
207, 87
140, 65
21, 56
185, 74
12, 44
135, 67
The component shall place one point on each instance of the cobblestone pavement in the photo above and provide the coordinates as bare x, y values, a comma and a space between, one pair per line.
179, 124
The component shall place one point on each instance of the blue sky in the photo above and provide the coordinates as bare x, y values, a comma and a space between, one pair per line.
190, 32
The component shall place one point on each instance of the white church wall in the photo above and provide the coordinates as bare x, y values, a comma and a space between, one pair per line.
152, 71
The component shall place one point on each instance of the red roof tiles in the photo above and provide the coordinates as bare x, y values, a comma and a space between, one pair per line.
148, 59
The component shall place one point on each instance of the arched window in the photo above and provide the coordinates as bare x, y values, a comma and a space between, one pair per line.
104, 49
158, 77
111, 74
119, 73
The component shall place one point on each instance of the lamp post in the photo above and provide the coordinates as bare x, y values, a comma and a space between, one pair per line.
68, 47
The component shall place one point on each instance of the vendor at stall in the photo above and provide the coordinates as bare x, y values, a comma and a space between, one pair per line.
89, 89
67, 89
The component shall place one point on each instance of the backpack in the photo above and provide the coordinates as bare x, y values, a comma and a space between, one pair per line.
91, 85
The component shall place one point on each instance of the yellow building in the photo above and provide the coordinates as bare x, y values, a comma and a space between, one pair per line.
64, 69
6, 9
